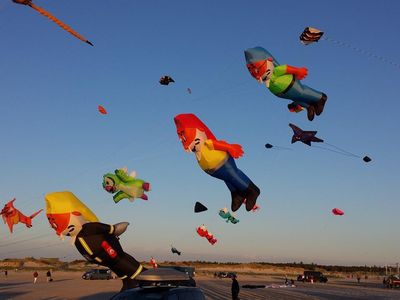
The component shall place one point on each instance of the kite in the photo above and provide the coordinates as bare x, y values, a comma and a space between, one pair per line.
337, 212
203, 232
284, 82
52, 18
125, 186
270, 146
102, 110
12, 216
198, 207
255, 208
153, 263
216, 158
366, 159
310, 35
225, 214
306, 137
175, 251
95, 241
189, 90
165, 80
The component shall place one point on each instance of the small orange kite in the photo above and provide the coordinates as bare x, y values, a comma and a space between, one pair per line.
102, 110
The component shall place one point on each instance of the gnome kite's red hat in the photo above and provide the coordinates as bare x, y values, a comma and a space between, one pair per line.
186, 125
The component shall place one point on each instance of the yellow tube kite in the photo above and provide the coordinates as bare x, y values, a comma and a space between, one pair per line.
54, 19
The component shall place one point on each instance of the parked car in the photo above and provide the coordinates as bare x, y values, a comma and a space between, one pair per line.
392, 281
97, 274
312, 275
231, 275
220, 274
162, 284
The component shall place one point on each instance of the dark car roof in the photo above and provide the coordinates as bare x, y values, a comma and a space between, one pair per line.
160, 275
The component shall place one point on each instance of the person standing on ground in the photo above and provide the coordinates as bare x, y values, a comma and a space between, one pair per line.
5, 273
235, 288
48, 275
35, 276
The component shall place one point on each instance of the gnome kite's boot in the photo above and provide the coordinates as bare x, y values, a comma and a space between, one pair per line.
252, 193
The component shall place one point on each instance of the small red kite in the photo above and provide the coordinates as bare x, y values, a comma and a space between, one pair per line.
102, 110
337, 212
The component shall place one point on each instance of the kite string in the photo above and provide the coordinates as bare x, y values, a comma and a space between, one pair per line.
343, 150
335, 151
362, 51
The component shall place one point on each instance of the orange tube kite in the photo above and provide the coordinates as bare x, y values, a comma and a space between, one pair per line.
54, 19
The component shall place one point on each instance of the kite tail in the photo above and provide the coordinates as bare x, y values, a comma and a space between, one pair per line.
59, 23
35, 214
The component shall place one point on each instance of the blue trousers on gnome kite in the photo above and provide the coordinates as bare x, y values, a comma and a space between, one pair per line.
238, 183
301, 94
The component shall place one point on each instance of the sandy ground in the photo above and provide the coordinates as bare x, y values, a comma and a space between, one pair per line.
69, 285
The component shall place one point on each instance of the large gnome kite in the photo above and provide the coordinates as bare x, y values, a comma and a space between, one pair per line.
97, 242
284, 82
216, 158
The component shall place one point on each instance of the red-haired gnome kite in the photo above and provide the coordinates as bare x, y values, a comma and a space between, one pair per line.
216, 158
97, 242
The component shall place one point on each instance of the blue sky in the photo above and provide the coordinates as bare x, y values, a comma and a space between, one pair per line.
54, 139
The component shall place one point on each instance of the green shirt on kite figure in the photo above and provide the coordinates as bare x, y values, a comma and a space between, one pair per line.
125, 185
284, 82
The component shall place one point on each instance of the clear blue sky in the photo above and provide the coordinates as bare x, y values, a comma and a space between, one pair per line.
54, 139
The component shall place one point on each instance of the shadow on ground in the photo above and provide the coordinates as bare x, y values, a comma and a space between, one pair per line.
99, 296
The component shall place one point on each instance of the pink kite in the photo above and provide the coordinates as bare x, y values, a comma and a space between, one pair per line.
153, 263
337, 212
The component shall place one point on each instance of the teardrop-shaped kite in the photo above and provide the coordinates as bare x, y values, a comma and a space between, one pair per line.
310, 35
198, 207
102, 110
268, 146
52, 18
337, 212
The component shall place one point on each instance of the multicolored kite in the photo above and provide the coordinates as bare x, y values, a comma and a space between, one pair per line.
125, 186
216, 158
97, 242
310, 35
284, 82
